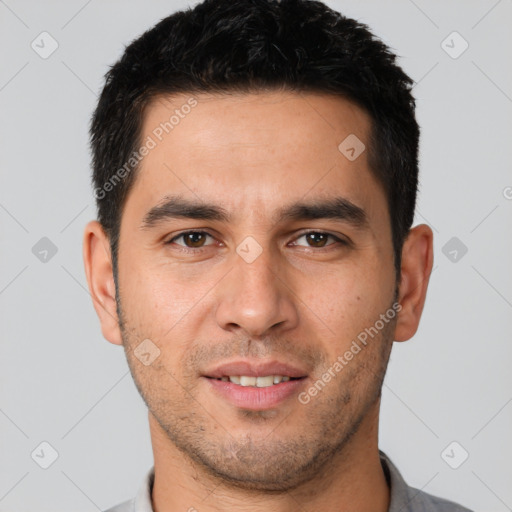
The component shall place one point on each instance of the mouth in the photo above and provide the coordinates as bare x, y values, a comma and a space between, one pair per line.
251, 372
255, 385
257, 382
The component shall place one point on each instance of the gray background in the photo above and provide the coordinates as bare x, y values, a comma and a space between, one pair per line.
62, 383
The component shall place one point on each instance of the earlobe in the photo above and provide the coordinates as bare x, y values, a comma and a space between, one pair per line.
417, 261
100, 279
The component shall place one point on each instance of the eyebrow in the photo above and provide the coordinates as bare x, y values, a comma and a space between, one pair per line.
177, 207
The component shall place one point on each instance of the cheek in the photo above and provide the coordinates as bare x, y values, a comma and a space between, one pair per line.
346, 300
162, 300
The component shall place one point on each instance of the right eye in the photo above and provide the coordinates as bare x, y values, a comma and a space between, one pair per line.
192, 239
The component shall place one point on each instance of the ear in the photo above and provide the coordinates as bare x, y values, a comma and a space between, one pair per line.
100, 278
417, 260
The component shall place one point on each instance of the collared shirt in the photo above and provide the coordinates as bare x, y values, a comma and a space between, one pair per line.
403, 497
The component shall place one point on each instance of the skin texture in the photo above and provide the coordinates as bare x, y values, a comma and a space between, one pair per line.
302, 301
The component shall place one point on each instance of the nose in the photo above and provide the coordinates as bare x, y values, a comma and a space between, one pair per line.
256, 298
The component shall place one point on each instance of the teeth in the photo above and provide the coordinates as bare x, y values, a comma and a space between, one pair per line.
247, 381
264, 382
260, 382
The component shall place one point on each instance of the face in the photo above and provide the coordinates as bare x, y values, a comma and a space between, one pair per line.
283, 260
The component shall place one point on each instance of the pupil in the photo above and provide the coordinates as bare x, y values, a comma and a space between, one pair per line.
193, 238
317, 235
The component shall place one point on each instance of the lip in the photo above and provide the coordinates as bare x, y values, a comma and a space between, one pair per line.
254, 398
255, 369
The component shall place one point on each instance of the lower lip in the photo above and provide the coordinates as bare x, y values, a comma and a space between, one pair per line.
254, 398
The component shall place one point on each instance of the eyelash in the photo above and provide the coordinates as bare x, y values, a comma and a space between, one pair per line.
200, 249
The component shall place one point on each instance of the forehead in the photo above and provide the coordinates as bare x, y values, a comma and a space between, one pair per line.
254, 152
271, 120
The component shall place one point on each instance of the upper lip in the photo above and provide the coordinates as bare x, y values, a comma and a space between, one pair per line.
255, 369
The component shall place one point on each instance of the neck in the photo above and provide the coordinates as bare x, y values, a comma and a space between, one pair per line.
353, 480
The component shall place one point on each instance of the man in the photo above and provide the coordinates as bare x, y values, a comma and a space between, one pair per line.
255, 169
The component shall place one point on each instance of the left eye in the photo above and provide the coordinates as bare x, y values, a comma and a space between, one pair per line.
318, 238
196, 239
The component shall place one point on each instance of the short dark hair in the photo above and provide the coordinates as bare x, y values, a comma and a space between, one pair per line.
229, 46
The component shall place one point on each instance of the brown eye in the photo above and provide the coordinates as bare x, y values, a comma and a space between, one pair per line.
192, 239
318, 239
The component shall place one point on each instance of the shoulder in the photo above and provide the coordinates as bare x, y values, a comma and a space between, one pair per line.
404, 498
126, 506
142, 501
424, 502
